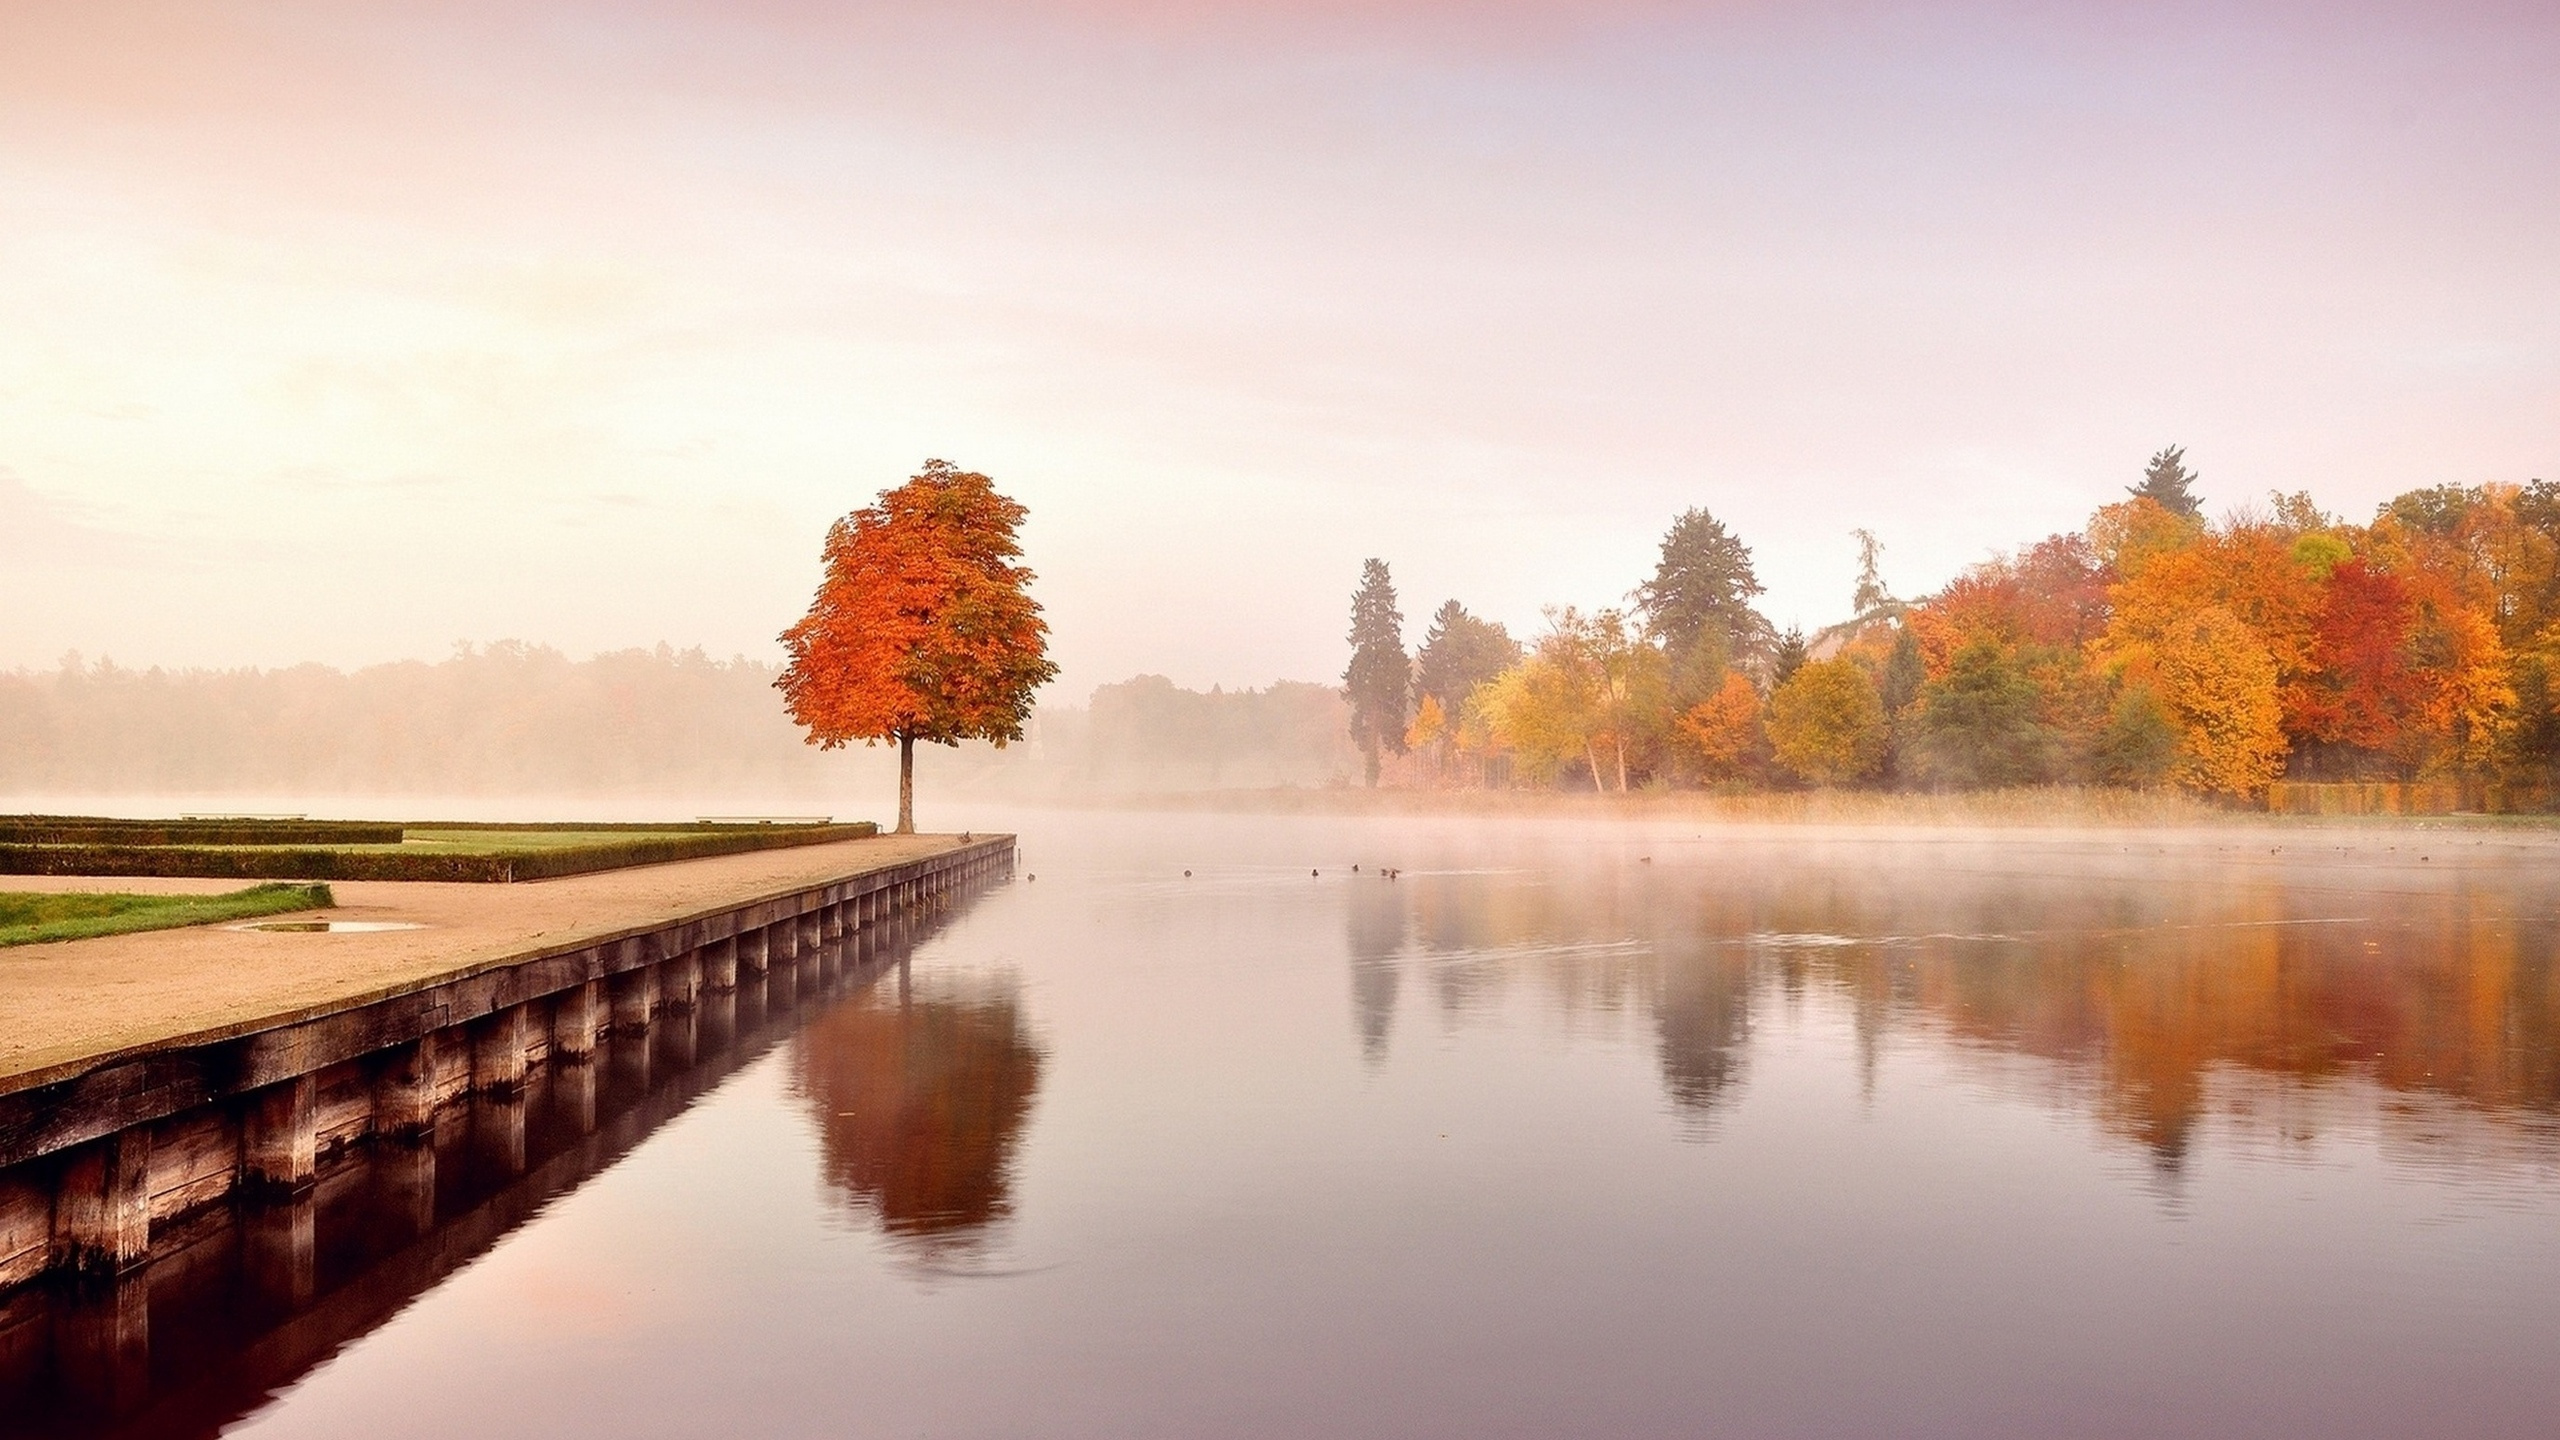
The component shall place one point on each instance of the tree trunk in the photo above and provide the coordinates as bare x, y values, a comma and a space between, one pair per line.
1622, 767
1591, 757
906, 785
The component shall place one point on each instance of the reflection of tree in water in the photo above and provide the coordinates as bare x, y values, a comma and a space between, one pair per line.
2181, 998
1377, 926
2162, 991
1703, 1018
920, 1101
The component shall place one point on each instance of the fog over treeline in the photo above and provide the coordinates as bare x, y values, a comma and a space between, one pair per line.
521, 719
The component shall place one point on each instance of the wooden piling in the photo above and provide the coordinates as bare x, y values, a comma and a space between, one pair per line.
577, 1018
679, 978
720, 966
635, 1000
279, 1139
102, 1209
497, 1052
404, 1093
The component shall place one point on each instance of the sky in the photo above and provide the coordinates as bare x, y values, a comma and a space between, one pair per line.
350, 332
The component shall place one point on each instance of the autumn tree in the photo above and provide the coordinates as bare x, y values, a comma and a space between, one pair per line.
1590, 689
2218, 684
1724, 730
2168, 483
1827, 724
1380, 677
2404, 672
2528, 603
1537, 713
2127, 535
1626, 679
2259, 574
923, 627
2362, 688
1430, 733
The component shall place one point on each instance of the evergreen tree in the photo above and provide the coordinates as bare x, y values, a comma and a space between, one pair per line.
1460, 652
1380, 675
1977, 725
2138, 744
1703, 586
1699, 672
1904, 672
1787, 656
2168, 481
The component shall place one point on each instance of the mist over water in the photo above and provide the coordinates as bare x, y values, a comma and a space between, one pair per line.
1570, 1128
514, 728
1725, 412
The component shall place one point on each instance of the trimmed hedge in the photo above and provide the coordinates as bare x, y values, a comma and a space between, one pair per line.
98, 830
314, 863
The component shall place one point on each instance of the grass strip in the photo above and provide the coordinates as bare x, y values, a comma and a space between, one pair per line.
29, 918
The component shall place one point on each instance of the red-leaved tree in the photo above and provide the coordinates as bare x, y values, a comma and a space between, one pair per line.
924, 627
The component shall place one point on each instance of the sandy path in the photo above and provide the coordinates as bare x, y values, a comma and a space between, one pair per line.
78, 999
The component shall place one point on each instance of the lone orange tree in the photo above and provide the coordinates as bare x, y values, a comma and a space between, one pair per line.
924, 627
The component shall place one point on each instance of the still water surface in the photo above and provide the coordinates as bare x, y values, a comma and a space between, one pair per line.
1567, 1130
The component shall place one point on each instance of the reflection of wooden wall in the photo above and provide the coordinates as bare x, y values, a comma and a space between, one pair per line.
242, 1301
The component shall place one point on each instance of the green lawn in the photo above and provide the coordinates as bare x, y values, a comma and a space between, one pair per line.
517, 842
28, 918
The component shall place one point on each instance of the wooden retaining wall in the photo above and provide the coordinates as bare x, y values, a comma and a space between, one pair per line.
98, 1167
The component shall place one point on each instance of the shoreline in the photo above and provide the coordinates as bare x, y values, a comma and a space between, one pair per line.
2039, 808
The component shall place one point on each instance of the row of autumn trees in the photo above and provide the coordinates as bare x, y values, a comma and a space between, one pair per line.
2152, 648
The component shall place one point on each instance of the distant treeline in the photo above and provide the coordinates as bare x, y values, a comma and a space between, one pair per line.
527, 720
1147, 733
2154, 648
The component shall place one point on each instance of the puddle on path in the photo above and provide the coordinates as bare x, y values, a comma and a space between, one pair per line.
326, 927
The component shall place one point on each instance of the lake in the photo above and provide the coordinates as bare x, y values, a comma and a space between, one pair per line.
1521, 1128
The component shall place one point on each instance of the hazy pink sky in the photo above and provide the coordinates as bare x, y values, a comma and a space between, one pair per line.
344, 332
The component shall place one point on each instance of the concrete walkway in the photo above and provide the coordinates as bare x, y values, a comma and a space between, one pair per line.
82, 999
